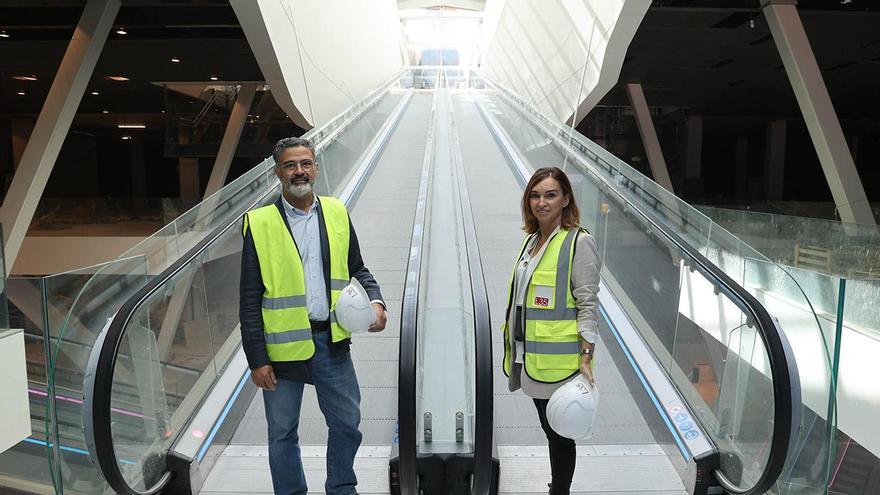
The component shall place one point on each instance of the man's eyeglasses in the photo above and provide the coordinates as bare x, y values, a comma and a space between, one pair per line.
305, 165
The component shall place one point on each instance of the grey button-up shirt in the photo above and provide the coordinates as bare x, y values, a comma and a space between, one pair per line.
305, 229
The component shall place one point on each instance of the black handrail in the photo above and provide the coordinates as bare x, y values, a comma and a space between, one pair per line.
782, 365
106, 363
484, 407
407, 370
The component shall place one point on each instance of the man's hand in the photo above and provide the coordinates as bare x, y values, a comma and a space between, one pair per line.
264, 377
379, 324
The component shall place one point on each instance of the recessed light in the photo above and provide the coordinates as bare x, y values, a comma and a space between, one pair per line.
4, 34
21, 93
213, 78
95, 93
126, 138
25, 78
105, 111
132, 126
117, 78
121, 30
175, 60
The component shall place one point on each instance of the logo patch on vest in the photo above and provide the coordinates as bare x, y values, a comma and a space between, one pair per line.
543, 296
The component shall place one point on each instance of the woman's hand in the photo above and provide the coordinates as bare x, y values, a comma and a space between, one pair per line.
586, 369
587, 350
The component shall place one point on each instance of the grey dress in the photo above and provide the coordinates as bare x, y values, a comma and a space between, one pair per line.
585, 289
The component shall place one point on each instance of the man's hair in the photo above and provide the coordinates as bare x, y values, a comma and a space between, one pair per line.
571, 216
291, 142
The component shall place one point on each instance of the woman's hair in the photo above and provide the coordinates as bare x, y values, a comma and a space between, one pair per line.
571, 216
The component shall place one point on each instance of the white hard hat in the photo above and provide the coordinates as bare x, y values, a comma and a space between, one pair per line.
571, 410
353, 309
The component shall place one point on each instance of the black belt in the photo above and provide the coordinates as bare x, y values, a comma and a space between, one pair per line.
319, 326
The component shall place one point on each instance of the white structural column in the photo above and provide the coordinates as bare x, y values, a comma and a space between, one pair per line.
237, 119
54, 121
818, 111
649, 135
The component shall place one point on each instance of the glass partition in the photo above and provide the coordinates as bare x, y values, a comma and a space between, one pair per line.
179, 339
842, 249
618, 206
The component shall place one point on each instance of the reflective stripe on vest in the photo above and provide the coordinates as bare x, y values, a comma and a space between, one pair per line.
284, 306
552, 343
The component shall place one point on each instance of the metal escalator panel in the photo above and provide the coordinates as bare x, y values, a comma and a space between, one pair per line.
138, 409
445, 380
723, 355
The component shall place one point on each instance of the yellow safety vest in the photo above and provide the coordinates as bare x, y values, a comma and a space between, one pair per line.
285, 314
552, 343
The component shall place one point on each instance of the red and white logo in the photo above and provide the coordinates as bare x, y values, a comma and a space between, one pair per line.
542, 301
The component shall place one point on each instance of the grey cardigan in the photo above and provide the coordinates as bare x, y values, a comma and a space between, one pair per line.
585, 289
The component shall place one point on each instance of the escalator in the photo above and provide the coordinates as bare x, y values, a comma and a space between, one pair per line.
698, 382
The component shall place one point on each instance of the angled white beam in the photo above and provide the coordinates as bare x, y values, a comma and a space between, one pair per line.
237, 119
54, 121
818, 111
649, 135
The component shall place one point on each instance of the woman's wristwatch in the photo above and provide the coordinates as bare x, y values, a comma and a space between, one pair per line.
586, 352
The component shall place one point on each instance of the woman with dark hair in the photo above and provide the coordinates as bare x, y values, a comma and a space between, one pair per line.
552, 307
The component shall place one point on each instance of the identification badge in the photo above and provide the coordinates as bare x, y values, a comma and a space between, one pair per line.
543, 296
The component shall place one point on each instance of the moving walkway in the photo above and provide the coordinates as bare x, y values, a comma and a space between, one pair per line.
698, 380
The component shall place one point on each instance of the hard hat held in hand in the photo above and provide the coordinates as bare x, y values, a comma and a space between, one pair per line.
353, 309
571, 410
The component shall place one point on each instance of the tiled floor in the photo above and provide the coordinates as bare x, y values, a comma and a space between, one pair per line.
601, 469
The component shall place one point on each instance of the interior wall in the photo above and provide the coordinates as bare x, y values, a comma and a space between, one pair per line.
321, 57
563, 55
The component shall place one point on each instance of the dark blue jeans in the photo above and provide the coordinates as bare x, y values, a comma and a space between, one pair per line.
339, 398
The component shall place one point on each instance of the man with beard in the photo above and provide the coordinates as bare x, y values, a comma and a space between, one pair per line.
298, 254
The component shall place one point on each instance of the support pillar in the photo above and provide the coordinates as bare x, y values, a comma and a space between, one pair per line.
774, 160
742, 167
693, 160
188, 171
231, 136
54, 121
649, 135
818, 111
22, 127
138, 175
